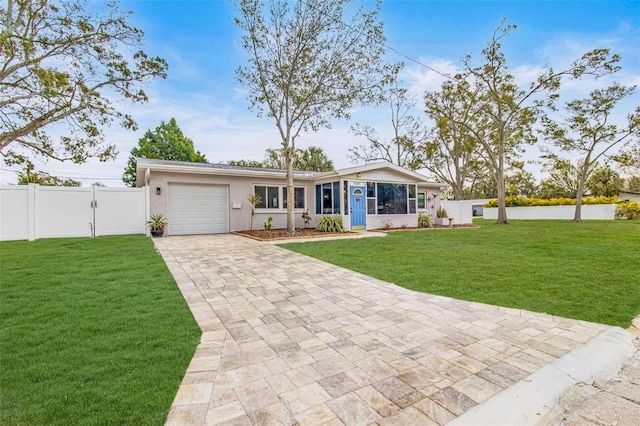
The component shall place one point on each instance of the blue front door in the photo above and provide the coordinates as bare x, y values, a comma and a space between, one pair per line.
358, 208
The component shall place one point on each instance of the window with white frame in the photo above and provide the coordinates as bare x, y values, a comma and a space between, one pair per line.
269, 197
422, 200
391, 198
328, 198
298, 197
413, 193
275, 197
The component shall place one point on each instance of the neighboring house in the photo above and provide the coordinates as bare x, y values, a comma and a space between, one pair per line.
199, 198
629, 196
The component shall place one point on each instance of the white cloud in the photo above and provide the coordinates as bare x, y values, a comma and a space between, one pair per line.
420, 79
180, 66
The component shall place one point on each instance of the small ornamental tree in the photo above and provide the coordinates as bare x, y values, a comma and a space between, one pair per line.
253, 200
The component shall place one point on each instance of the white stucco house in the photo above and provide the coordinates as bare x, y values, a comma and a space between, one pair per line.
206, 198
629, 196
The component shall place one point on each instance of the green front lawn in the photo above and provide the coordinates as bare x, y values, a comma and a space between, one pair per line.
94, 331
588, 270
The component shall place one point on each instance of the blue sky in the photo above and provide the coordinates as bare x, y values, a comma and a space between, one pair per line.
202, 45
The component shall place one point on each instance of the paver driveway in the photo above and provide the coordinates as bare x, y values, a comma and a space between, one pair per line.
288, 339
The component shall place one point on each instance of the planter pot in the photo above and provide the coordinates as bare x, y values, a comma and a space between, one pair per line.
443, 221
157, 232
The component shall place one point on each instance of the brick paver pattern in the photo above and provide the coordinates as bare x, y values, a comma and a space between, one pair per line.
289, 339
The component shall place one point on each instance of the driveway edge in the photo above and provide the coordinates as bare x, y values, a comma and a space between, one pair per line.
529, 400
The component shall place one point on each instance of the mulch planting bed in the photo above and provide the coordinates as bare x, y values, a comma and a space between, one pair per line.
281, 234
433, 228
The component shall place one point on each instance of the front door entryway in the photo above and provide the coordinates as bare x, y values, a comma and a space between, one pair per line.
358, 210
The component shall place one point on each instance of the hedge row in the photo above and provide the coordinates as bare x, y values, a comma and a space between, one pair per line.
518, 201
628, 210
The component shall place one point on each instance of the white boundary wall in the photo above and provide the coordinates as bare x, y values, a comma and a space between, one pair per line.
589, 212
460, 211
29, 212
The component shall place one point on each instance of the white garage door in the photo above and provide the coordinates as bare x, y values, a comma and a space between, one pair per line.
198, 209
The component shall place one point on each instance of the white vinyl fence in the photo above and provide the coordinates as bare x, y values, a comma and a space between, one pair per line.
588, 212
29, 212
460, 211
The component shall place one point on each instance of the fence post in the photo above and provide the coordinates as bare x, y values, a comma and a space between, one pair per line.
147, 208
32, 200
94, 204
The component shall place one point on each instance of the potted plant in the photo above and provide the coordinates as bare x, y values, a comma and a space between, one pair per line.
306, 218
156, 225
442, 217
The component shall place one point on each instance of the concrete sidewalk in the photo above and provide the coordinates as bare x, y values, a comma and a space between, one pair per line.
288, 339
615, 401
553, 395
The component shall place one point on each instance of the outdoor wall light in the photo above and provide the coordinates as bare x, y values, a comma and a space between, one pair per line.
158, 190
358, 175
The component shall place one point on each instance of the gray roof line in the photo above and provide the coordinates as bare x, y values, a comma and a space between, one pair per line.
221, 166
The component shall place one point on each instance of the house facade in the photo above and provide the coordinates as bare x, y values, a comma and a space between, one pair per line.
629, 196
204, 198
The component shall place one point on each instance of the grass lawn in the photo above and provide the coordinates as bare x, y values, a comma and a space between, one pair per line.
588, 270
94, 331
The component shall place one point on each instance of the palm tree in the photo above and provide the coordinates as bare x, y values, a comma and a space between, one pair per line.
253, 200
314, 159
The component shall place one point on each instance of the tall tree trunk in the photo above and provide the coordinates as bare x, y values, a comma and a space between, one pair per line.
500, 184
577, 216
291, 224
502, 204
458, 188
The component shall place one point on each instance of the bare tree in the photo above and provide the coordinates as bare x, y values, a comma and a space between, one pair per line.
408, 133
309, 63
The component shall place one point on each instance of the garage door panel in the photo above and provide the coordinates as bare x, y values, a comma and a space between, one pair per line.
198, 209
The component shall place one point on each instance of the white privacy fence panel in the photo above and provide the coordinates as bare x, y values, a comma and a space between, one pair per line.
63, 212
15, 209
588, 212
120, 211
460, 211
29, 212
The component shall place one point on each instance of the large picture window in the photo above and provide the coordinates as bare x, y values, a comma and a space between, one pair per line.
275, 197
391, 198
328, 198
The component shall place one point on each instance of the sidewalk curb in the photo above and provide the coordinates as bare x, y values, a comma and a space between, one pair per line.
526, 402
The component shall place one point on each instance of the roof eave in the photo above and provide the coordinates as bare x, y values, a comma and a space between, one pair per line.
175, 168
